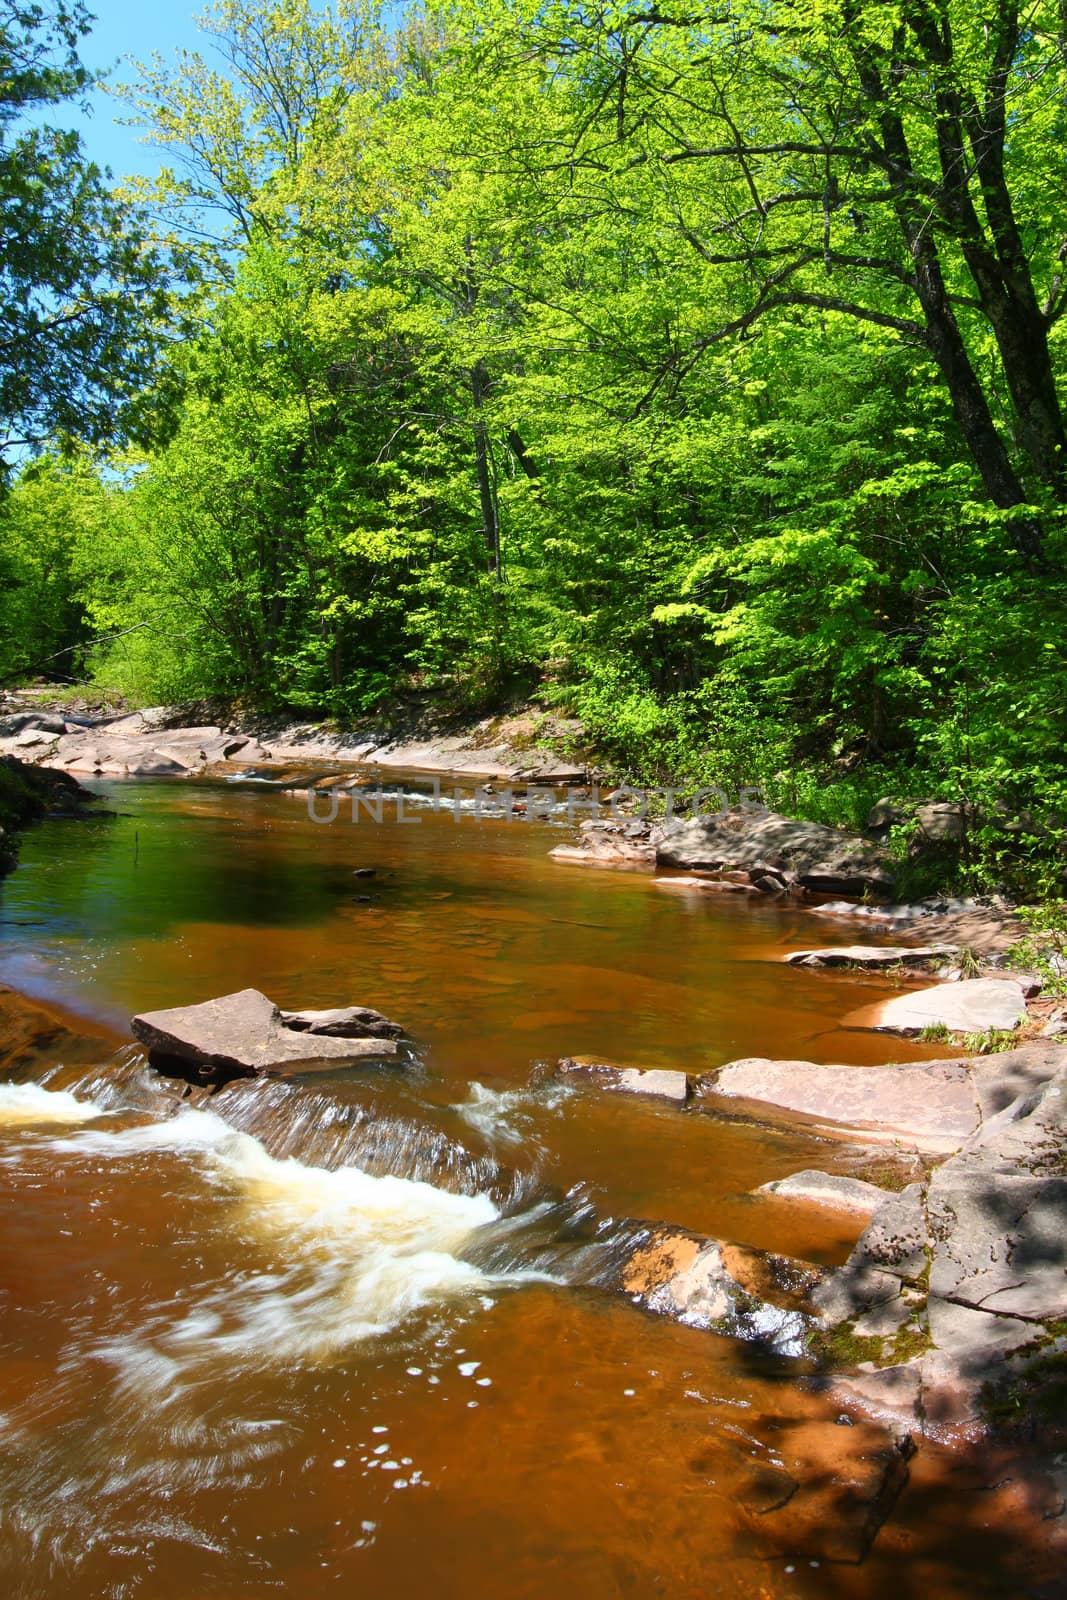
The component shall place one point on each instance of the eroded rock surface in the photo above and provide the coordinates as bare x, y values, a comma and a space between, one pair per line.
960, 1282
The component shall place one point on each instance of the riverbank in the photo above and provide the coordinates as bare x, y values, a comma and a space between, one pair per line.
28, 794
529, 745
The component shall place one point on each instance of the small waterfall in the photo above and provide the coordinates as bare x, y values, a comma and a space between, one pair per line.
327, 1127
31, 1104
378, 1212
124, 1082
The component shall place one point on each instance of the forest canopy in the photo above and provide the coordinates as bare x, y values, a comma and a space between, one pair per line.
695, 366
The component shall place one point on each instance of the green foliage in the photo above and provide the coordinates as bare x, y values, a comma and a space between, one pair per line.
1043, 948
83, 293
56, 511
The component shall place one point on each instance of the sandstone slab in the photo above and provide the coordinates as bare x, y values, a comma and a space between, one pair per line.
974, 1005
830, 1189
871, 956
930, 1105
245, 1035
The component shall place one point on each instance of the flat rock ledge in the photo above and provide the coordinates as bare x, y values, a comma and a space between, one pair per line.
973, 1005
929, 1106
872, 957
245, 1035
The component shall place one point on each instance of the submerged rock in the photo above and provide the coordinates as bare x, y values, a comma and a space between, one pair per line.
655, 1084
776, 851
727, 1288
838, 1192
246, 1035
825, 1492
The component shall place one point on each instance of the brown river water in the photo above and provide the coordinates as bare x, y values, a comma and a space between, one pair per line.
344, 1334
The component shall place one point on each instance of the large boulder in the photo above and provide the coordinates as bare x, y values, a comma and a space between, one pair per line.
776, 851
246, 1035
825, 1491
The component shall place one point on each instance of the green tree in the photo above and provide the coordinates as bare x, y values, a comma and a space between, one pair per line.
892, 163
83, 294
53, 515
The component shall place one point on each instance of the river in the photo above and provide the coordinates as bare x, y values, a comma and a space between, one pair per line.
349, 1332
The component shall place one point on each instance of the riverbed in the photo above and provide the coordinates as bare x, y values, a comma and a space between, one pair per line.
347, 1332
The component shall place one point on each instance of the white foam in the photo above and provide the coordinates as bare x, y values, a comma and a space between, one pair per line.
356, 1254
28, 1103
505, 1116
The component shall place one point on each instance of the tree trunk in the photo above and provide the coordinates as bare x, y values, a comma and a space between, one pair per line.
944, 339
484, 469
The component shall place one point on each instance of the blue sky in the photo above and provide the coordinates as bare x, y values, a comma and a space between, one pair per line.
137, 28
128, 28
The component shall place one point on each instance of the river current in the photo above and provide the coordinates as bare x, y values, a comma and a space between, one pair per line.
349, 1332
